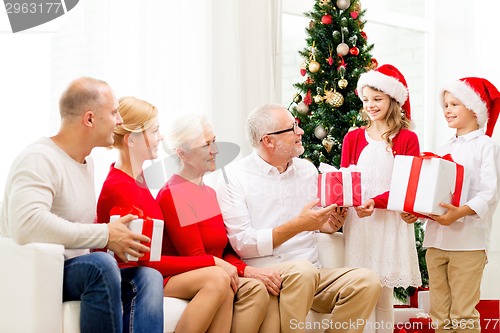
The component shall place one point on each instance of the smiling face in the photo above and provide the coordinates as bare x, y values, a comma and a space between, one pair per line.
146, 142
376, 104
287, 144
202, 152
458, 116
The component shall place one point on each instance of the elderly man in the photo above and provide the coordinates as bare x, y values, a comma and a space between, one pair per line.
269, 207
49, 197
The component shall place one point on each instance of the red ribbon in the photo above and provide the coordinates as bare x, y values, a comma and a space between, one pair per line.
147, 225
416, 166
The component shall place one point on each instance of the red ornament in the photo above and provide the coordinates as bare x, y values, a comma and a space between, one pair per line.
354, 51
303, 71
374, 63
297, 120
308, 99
330, 60
354, 15
363, 34
326, 19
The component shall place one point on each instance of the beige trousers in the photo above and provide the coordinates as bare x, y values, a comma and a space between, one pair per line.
255, 310
349, 294
454, 286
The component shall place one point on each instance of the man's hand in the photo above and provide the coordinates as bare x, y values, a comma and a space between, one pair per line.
230, 270
409, 218
311, 218
366, 209
121, 240
270, 277
335, 221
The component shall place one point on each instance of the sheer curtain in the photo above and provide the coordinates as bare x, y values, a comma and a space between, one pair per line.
217, 57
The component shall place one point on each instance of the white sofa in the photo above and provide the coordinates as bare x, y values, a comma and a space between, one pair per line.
31, 288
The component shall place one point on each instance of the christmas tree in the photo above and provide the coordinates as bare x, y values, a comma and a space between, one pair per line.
326, 105
337, 53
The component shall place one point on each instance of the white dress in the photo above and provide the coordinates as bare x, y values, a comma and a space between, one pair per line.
382, 242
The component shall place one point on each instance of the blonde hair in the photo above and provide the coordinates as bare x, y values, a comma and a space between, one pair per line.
395, 118
137, 114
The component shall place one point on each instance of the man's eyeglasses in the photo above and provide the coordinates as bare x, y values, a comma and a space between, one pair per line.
293, 128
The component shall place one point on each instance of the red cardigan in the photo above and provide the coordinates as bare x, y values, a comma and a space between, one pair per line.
119, 189
193, 222
403, 143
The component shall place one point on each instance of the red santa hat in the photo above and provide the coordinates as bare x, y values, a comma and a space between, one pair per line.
390, 81
478, 95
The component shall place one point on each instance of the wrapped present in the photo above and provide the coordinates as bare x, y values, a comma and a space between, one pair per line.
420, 184
152, 228
489, 312
341, 187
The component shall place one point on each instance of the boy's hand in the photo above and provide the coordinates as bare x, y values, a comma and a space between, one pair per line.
366, 209
409, 218
454, 213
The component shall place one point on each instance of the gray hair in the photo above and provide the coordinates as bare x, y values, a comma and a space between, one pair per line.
183, 131
261, 121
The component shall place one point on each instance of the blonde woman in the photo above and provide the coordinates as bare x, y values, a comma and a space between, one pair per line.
193, 278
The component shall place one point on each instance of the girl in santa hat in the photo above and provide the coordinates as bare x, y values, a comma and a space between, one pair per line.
457, 241
377, 239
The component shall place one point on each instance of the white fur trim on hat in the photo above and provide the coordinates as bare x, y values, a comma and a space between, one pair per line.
384, 83
468, 96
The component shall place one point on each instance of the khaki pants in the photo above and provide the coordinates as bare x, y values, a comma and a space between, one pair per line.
349, 294
454, 286
255, 310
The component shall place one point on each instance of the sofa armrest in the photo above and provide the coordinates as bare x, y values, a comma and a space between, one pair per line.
331, 249
31, 287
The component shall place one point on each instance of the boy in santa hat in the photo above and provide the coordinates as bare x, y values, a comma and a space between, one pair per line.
457, 241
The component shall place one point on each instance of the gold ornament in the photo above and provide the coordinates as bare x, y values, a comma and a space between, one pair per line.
318, 99
324, 2
314, 66
357, 7
328, 143
343, 83
334, 98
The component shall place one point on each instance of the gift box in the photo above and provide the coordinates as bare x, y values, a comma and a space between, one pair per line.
342, 187
420, 184
489, 312
152, 228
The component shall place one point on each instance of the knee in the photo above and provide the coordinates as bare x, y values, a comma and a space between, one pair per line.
217, 281
369, 281
303, 271
259, 294
103, 266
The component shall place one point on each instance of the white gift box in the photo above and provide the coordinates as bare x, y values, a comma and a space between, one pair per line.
151, 228
420, 184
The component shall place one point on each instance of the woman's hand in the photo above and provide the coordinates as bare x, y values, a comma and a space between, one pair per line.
230, 270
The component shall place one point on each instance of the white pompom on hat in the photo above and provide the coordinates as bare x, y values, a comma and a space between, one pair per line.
478, 95
390, 81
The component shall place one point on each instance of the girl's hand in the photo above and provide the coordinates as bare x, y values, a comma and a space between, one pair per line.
409, 218
365, 209
452, 214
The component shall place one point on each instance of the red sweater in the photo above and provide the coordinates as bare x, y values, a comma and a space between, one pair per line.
121, 190
403, 143
193, 222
